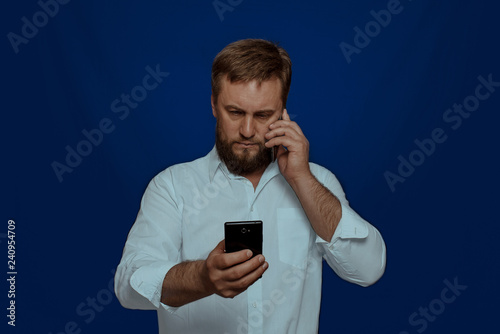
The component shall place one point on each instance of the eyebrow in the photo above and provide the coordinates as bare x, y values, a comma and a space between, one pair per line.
233, 107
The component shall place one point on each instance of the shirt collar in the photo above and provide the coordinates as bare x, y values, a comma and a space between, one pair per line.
214, 163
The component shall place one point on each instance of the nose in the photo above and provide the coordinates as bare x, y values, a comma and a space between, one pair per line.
247, 128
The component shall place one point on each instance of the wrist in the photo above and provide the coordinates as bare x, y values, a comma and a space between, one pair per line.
301, 181
205, 281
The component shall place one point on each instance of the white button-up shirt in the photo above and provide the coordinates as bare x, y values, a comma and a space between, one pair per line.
182, 218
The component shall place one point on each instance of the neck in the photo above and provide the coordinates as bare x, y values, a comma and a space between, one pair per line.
254, 177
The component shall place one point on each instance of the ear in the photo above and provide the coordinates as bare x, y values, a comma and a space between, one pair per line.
214, 112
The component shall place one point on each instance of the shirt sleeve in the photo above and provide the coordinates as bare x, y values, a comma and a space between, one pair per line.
152, 247
356, 252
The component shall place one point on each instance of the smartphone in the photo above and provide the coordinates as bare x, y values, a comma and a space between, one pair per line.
243, 235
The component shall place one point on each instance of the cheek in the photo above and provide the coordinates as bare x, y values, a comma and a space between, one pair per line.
229, 129
262, 129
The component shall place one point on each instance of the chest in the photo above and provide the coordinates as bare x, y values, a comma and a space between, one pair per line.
207, 207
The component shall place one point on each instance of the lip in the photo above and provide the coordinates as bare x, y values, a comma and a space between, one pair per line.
246, 144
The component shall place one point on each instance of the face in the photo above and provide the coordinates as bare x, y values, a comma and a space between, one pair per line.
244, 112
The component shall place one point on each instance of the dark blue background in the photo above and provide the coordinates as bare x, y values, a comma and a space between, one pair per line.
441, 223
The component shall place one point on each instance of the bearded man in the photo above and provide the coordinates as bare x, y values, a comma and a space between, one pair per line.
174, 260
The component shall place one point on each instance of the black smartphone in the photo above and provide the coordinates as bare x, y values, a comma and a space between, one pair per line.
243, 235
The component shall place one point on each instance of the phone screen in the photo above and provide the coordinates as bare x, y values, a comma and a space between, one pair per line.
243, 235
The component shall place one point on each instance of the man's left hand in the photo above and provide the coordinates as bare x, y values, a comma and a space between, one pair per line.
294, 160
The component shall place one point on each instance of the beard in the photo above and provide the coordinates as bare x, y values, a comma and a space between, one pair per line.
240, 164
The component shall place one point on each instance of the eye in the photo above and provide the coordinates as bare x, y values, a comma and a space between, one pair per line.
263, 116
236, 112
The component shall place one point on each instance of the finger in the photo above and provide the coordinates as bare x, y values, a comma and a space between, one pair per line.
281, 150
249, 279
286, 117
291, 123
283, 131
286, 137
234, 287
241, 270
221, 246
280, 141
218, 250
289, 143
287, 124
283, 116
227, 260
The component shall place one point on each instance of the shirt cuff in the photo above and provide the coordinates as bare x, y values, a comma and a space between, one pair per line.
148, 282
350, 226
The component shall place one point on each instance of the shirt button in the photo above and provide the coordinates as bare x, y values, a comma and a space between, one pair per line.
251, 209
254, 304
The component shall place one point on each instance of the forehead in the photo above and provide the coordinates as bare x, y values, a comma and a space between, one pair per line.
251, 95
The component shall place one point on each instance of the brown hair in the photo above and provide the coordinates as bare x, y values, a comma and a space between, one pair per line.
252, 59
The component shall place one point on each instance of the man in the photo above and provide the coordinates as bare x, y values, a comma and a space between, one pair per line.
174, 259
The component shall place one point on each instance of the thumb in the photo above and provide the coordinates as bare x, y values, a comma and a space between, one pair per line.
281, 150
286, 117
220, 248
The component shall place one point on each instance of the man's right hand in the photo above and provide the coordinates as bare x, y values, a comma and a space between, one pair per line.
225, 274
229, 274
